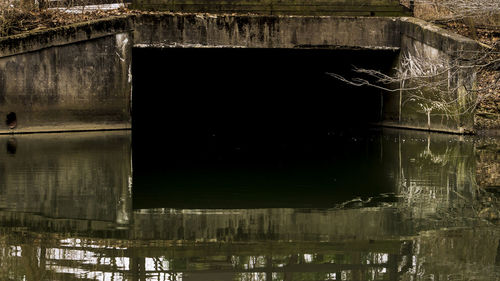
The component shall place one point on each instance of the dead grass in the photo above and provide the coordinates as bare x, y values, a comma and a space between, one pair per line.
15, 20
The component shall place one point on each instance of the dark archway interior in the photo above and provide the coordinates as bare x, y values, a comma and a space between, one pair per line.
253, 89
245, 119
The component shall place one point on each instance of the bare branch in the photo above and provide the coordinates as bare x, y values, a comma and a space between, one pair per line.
459, 9
428, 83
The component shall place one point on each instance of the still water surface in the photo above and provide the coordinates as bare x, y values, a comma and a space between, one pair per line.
376, 205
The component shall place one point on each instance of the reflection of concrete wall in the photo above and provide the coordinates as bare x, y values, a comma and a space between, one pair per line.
85, 177
70, 176
434, 173
48, 256
488, 163
456, 255
266, 224
77, 180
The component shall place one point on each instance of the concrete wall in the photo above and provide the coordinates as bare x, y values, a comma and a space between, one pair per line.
447, 103
279, 7
451, 105
244, 31
78, 77
69, 78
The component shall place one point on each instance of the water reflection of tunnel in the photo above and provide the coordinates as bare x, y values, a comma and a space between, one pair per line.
190, 105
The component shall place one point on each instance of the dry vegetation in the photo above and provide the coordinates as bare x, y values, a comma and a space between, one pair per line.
488, 78
479, 20
15, 19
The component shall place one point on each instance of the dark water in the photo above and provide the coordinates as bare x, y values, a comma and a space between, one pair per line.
252, 128
343, 205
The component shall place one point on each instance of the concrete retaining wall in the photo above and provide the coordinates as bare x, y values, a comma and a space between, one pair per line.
447, 108
79, 77
70, 78
443, 99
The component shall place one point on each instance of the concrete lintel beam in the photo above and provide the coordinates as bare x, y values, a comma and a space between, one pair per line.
252, 31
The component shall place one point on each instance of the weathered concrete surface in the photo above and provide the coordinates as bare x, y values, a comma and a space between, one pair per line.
279, 7
430, 51
246, 31
488, 163
77, 176
79, 78
279, 224
69, 78
416, 39
455, 253
37, 40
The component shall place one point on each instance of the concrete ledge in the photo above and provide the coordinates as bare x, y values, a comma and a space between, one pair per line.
279, 7
58, 128
37, 40
436, 37
252, 31
422, 128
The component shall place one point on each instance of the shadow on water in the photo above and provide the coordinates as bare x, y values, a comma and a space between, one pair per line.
66, 214
258, 173
12, 146
253, 128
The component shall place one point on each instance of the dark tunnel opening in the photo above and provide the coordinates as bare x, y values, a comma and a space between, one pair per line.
253, 89
223, 118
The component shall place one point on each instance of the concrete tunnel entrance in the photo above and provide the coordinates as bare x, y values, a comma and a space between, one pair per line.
222, 118
270, 91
